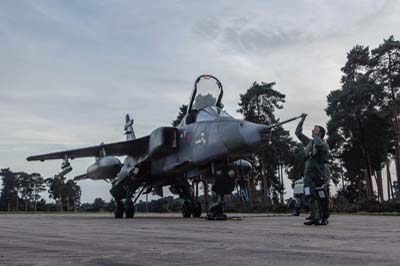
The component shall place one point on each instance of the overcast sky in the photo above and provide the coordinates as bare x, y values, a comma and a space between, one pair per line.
71, 70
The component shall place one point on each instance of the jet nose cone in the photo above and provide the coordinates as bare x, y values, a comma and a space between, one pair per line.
254, 134
242, 136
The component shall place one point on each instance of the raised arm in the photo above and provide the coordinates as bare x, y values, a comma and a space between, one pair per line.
299, 131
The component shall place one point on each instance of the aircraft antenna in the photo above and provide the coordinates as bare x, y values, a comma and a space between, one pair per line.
129, 132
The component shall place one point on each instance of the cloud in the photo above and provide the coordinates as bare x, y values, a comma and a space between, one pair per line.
262, 29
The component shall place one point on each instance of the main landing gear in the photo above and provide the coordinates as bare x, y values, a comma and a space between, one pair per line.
127, 206
190, 209
124, 207
119, 209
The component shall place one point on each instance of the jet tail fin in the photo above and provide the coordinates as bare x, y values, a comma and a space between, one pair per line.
129, 132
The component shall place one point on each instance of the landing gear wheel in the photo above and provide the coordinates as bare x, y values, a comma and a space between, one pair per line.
216, 213
129, 211
186, 210
296, 212
119, 210
196, 212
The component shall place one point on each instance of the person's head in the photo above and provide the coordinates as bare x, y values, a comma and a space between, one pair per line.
320, 131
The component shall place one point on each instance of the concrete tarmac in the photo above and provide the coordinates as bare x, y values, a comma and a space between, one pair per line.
157, 239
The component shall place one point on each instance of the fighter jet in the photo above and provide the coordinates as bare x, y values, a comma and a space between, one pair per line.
208, 144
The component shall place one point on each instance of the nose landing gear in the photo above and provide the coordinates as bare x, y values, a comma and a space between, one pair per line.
216, 211
191, 207
223, 185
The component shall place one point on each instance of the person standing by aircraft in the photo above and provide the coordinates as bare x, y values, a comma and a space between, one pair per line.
316, 174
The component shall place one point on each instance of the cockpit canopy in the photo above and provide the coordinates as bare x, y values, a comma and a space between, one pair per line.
207, 91
205, 102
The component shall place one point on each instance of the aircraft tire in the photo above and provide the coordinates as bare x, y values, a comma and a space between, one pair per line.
197, 210
186, 210
130, 212
119, 210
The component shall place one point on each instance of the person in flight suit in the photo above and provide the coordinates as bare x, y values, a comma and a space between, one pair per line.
315, 175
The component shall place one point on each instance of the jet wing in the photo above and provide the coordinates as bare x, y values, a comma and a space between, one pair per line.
135, 148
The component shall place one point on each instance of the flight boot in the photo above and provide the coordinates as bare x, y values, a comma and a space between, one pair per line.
312, 222
324, 222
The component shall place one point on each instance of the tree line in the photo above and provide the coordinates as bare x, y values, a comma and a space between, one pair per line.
21, 191
363, 124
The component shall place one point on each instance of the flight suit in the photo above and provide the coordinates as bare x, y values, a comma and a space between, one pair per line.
324, 196
315, 175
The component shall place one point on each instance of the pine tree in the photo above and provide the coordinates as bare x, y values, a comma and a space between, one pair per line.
357, 128
385, 64
181, 114
258, 105
9, 193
